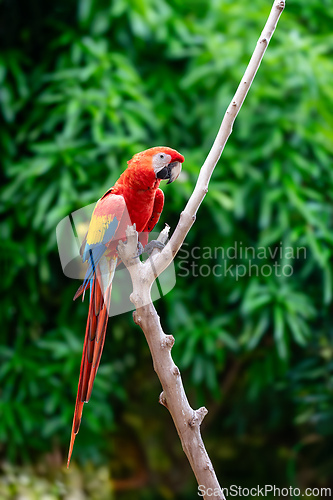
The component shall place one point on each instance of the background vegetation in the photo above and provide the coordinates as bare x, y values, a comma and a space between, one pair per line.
84, 85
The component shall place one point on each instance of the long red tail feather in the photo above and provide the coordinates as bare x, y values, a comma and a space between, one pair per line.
97, 321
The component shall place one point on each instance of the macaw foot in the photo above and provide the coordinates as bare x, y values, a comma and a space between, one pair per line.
152, 245
140, 250
149, 247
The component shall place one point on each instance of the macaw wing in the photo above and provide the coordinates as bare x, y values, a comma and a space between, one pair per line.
108, 213
105, 220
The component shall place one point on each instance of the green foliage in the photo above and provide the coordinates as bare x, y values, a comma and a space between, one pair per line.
85, 85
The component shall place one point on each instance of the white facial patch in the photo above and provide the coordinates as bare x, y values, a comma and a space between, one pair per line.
160, 160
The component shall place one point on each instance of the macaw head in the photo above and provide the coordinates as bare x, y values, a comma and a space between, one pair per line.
167, 163
155, 164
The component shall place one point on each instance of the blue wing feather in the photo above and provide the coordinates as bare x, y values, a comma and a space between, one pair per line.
93, 253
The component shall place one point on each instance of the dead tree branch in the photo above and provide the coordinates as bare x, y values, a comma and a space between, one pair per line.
173, 397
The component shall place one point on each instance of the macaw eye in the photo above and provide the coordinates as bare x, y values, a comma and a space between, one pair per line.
161, 156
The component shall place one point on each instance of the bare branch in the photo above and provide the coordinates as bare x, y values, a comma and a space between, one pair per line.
188, 216
187, 421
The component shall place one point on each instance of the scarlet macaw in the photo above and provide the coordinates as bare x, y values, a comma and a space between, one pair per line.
134, 199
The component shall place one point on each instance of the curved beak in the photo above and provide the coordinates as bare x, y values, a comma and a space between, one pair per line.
170, 172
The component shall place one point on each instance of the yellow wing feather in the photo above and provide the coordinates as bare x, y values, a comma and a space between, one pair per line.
97, 228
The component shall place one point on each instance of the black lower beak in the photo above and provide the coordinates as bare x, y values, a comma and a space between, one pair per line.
164, 173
